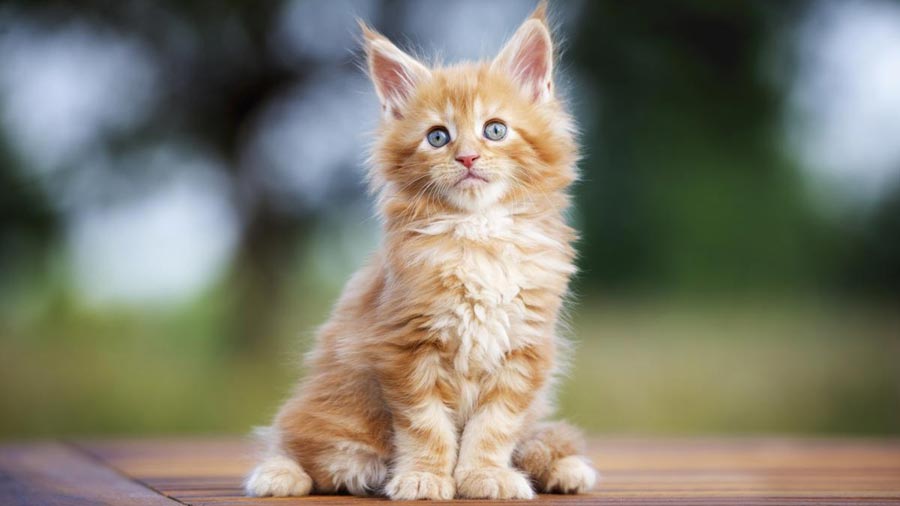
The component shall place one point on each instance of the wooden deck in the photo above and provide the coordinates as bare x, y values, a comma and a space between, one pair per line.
208, 471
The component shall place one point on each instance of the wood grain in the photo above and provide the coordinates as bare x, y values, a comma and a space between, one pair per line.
713, 471
54, 474
645, 471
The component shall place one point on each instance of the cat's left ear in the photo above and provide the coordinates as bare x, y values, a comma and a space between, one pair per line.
528, 56
394, 73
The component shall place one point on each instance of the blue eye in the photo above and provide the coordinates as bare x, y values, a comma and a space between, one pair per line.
438, 136
495, 130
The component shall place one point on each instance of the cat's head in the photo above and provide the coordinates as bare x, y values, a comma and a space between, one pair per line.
470, 136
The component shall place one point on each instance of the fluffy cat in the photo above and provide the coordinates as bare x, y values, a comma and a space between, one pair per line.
434, 372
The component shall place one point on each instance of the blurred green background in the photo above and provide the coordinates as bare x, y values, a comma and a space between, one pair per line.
182, 197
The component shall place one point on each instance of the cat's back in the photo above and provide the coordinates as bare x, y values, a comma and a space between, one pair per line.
352, 318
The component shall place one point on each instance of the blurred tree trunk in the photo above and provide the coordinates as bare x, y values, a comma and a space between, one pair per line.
261, 271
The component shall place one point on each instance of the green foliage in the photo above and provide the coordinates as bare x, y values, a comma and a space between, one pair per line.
686, 187
687, 195
742, 366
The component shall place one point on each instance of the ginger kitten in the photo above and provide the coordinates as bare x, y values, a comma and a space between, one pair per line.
433, 375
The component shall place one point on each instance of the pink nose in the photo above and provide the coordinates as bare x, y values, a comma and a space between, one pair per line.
467, 160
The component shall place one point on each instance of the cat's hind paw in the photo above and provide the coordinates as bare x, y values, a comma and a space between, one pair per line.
571, 475
493, 483
420, 485
278, 476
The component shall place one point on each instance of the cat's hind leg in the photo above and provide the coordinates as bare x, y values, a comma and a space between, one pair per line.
327, 463
552, 455
348, 466
339, 431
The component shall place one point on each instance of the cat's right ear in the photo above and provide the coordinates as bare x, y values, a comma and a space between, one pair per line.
394, 73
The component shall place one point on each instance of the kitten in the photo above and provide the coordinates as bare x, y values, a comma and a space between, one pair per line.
434, 372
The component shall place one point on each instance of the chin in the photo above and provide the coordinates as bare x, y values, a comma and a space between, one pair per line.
473, 195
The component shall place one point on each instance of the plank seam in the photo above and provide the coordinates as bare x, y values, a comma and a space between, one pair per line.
87, 453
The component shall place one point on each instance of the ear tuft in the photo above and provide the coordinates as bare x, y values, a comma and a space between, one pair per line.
394, 73
528, 56
367, 31
540, 12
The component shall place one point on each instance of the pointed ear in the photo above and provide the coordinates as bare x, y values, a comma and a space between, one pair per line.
394, 73
528, 56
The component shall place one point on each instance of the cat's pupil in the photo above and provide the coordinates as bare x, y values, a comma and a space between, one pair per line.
495, 130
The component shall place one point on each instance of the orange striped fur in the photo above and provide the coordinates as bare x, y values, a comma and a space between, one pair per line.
434, 373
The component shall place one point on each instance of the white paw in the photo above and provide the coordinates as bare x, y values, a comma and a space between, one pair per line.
278, 476
420, 485
493, 483
571, 475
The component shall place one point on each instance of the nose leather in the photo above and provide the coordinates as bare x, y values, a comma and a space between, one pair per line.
467, 159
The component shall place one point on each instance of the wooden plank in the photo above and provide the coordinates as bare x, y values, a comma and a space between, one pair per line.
54, 474
763, 471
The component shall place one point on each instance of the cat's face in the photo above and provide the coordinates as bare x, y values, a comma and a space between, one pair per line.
473, 135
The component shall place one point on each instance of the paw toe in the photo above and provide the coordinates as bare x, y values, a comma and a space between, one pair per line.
420, 485
493, 483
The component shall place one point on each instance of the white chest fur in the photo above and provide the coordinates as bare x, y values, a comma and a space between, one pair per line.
487, 263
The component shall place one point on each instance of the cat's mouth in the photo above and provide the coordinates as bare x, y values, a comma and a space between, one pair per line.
471, 178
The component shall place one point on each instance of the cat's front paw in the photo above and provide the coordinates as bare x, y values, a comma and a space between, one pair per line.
493, 483
420, 485
571, 475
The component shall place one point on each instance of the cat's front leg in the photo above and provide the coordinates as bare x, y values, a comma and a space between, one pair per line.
423, 460
425, 438
484, 468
